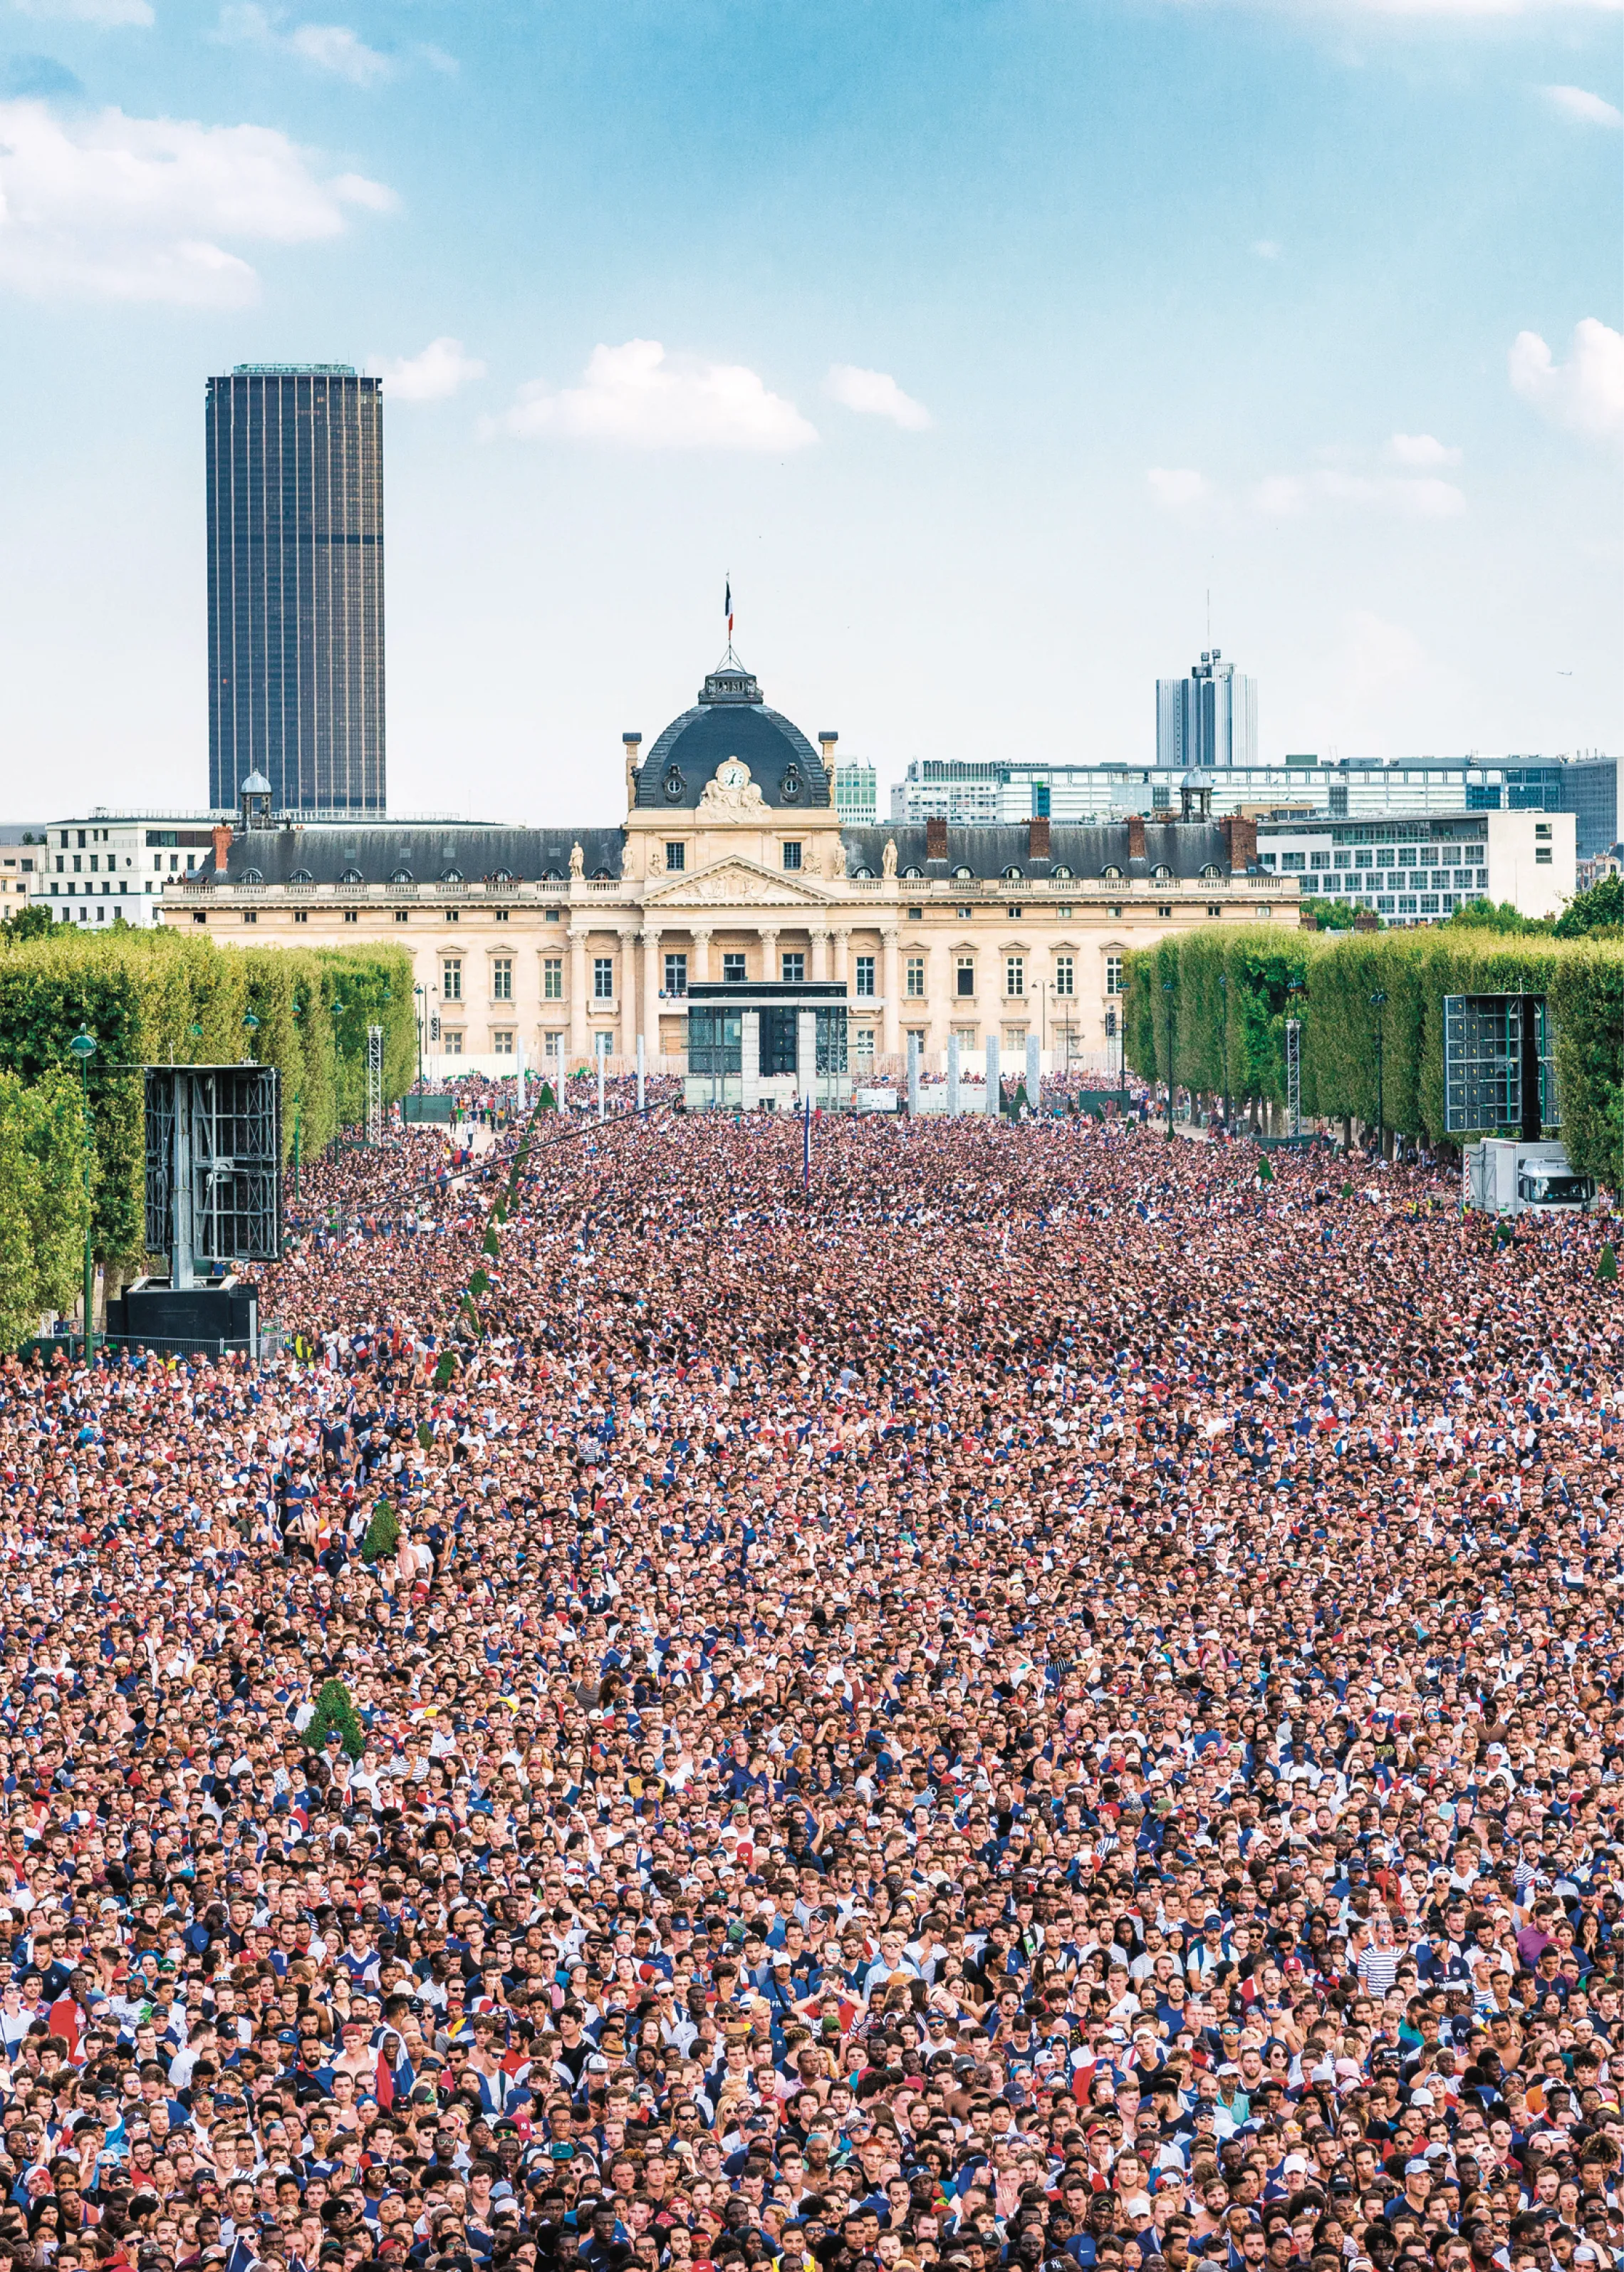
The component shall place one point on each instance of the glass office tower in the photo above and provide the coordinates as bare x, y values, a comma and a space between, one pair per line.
296, 482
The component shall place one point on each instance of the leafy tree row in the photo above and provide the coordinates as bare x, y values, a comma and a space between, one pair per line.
157, 997
1223, 995
43, 1204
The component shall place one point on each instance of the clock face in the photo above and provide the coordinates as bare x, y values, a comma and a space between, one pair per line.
733, 773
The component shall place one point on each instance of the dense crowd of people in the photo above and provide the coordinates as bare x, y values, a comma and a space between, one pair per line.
1027, 1698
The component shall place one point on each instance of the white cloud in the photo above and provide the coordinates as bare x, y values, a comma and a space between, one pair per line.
326, 47
1585, 393
1176, 486
1578, 102
636, 395
876, 394
1266, 248
1422, 451
1285, 497
430, 376
120, 208
109, 15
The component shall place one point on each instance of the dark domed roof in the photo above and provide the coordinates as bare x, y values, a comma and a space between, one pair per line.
731, 720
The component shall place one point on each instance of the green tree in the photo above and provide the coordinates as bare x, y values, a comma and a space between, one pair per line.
334, 1709
1483, 915
35, 922
1601, 908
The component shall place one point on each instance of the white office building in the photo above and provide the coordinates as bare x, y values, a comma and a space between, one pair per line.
1420, 868
92, 870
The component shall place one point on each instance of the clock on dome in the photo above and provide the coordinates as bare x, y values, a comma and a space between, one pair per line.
733, 773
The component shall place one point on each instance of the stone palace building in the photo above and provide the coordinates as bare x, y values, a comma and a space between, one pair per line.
731, 865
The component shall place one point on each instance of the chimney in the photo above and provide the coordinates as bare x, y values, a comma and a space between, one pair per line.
632, 743
826, 742
1037, 837
1239, 841
1136, 836
222, 848
935, 837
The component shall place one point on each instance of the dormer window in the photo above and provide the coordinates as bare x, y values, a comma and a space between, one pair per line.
502, 876
451, 876
964, 875
352, 876
913, 874
302, 875
1062, 874
1162, 872
675, 786
1211, 874
1111, 875
863, 874
401, 876
1012, 875
251, 875
789, 785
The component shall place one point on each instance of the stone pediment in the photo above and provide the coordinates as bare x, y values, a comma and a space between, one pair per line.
734, 882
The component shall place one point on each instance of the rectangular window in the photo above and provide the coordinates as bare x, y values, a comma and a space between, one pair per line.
1063, 974
453, 1045
865, 976
793, 968
301, 914
1542, 828
914, 977
603, 978
553, 1046
1323, 859
964, 976
502, 979
676, 859
553, 979
1542, 859
450, 981
676, 973
1114, 974
863, 1040
792, 855
733, 970
502, 1045
1292, 862
1014, 973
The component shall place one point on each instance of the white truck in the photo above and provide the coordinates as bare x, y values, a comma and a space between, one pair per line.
1504, 1176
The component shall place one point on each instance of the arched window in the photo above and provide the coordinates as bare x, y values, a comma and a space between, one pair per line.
451, 876
866, 875
1162, 872
401, 876
302, 875
912, 874
1210, 871
964, 875
352, 876
553, 876
251, 875
1110, 875
600, 875
1012, 875
1062, 874
502, 876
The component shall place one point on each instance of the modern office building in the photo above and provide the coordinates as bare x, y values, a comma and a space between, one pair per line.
1208, 718
296, 537
856, 793
975, 791
1422, 868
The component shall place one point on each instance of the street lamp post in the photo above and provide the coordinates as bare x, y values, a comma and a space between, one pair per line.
421, 998
1378, 1003
251, 1026
1167, 989
83, 1047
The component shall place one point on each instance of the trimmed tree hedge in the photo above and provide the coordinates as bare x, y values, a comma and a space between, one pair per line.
1231, 993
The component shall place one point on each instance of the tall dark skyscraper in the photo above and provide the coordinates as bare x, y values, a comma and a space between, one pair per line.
295, 476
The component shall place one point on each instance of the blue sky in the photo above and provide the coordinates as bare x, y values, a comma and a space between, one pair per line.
977, 342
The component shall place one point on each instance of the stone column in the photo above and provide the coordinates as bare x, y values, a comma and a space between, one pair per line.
820, 954
577, 997
841, 971
699, 957
768, 954
626, 980
938, 995
891, 987
651, 975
